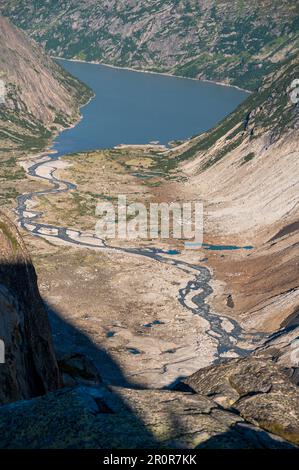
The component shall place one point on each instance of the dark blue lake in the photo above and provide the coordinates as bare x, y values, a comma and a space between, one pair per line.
136, 108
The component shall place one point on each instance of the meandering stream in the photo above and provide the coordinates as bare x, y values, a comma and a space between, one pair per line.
92, 132
192, 297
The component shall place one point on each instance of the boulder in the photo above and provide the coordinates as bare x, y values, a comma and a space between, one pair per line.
255, 387
77, 369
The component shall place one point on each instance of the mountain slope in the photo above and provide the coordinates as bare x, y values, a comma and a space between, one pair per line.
38, 96
246, 170
269, 112
233, 41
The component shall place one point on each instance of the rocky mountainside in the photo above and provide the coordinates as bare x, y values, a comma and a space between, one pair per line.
249, 402
37, 97
269, 113
232, 41
30, 367
246, 172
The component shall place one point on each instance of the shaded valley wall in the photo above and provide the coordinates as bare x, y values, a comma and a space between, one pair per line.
30, 367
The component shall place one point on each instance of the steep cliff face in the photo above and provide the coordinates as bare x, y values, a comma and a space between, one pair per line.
234, 41
30, 367
37, 96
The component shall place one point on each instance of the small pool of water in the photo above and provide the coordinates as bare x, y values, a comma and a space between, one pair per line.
173, 252
155, 322
134, 351
206, 246
110, 334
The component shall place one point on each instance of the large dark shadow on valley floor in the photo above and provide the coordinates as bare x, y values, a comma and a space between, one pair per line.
96, 415
68, 338
238, 436
37, 410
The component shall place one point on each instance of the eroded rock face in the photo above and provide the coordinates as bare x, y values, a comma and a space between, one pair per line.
283, 348
30, 367
258, 387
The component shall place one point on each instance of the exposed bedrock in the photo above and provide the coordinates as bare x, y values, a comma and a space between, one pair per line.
261, 387
30, 367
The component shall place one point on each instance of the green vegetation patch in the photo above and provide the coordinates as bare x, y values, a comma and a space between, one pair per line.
248, 158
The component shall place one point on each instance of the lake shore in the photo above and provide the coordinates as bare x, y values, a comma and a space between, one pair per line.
166, 74
144, 110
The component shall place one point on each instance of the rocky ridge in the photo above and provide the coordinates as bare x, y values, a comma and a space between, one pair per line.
38, 97
30, 367
237, 42
245, 171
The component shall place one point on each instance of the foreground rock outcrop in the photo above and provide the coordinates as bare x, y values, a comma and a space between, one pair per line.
30, 367
86, 417
247, 403
283, 348
258, 387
